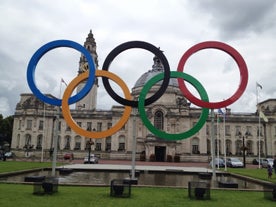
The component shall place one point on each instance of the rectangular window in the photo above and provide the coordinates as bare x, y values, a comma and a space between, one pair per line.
260, 130
216, 129
99, 126
98, 147
59, 125
227, 130
29, 124
195, 149
40, 126
109, 125
121, 147
248, 131
68, 128
19, 124
78, 146
79, 123
89, 126
238, 130
207, 130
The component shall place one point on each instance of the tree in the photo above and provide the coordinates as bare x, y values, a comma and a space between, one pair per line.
6, 126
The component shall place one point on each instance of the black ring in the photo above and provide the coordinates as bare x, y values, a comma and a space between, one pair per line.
143, 45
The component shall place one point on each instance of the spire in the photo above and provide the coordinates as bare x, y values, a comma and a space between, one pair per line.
90, 38
157, 64
90, 45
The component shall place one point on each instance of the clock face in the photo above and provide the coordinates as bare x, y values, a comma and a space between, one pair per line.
84, 67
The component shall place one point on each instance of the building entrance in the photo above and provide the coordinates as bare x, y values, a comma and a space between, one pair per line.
160, 153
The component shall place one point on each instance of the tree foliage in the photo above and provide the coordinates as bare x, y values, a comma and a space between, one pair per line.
6, 126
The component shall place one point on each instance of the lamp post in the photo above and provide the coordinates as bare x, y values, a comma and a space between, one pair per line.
89, 150
133, 156
89, 143
244, 148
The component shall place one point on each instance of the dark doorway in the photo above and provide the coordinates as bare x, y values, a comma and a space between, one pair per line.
160, 153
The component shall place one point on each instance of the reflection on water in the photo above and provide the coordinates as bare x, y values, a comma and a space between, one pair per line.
145, 178
163, 179
96, 178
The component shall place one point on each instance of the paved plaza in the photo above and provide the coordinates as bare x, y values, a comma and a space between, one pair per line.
140, 166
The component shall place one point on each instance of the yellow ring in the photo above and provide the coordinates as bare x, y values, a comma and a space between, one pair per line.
67, 114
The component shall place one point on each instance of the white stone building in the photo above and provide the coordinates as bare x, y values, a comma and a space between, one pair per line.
34, 124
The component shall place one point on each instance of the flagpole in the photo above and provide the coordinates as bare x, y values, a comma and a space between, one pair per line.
218, 139
213, 145
54, 161
257, 99
259, 125
259, 137
225, 166
43, 135
220, 112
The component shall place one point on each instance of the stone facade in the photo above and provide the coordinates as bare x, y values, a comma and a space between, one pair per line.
34, 124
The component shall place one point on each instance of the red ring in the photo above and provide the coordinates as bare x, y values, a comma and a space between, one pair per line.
238, 59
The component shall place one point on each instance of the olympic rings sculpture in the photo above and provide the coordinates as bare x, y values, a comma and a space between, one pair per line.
127, 101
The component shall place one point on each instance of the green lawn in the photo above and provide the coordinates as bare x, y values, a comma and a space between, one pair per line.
260, 174
21, 195
12, 166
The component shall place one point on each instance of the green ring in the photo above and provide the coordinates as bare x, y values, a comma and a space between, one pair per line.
161, 134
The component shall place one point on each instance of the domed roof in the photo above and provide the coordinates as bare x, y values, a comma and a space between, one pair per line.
156, 69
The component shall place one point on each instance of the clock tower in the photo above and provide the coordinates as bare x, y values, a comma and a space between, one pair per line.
89, 102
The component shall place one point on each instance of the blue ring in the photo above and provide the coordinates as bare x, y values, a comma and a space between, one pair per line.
43, 50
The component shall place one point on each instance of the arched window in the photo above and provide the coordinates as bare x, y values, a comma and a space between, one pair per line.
249, 145
18, 141
28, 140
67, 143
159, 120
261, 147
121, 143
208, 146
218, 146
98, 146
238, 147
195, 146
108, 144
39, 141
77, 143
228, 147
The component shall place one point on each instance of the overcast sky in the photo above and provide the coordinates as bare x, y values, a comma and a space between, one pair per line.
176, 25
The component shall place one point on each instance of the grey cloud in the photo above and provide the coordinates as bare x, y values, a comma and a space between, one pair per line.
237, 19
173, 25
12, 83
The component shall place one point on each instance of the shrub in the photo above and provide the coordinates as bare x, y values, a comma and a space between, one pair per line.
176, 158
142, 157
152, 157
169, 158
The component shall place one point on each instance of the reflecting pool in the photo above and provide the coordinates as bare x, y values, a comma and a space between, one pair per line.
146, 178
